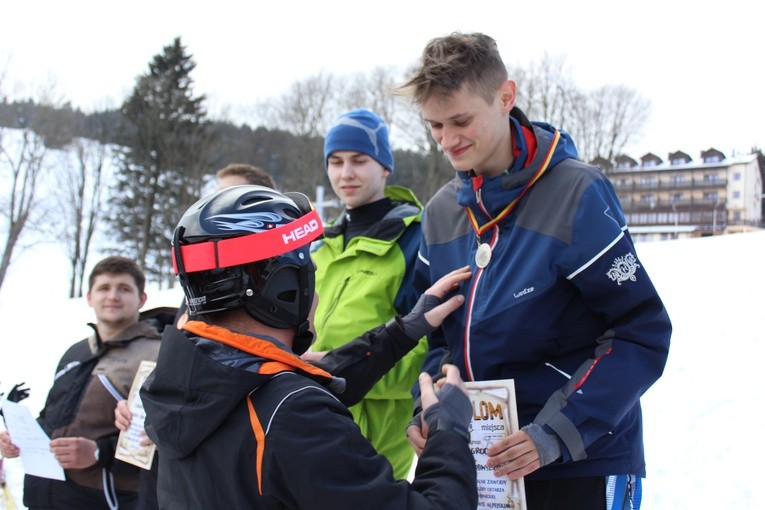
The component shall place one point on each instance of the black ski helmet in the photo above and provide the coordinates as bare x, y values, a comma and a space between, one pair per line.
248, 247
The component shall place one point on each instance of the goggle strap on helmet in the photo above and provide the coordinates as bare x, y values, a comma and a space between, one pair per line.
237, 251
178, 266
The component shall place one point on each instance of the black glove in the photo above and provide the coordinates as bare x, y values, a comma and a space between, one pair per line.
17, 393
453, 411
414, 324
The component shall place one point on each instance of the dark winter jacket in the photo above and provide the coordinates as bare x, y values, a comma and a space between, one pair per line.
564, 307
241, 422
79, 404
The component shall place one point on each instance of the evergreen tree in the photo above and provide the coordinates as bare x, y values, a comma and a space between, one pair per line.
166, 141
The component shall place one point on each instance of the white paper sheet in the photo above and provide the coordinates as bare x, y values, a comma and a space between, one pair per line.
33, 442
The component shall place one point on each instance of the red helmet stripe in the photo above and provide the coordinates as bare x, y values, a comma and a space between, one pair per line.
252, 247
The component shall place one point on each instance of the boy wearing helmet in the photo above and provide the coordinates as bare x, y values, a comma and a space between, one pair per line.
241, 420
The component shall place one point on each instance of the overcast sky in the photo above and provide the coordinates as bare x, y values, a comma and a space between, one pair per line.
696, 61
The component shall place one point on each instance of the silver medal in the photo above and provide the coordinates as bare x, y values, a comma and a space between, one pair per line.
483, 255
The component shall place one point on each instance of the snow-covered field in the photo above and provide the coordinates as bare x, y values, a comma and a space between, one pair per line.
701, 434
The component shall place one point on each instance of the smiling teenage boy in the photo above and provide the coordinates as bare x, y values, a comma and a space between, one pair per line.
559, 300
364, 271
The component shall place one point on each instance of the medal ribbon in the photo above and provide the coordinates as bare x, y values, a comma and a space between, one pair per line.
480, 229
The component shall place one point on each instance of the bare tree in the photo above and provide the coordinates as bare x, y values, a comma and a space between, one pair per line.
601, 122
371, 90
80, 182
305, 111
546, 91
617, 116
307, 108
21, 163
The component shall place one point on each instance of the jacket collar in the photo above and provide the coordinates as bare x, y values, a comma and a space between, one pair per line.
274, 358
133, 332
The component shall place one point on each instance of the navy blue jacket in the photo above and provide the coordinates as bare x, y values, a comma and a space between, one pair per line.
564, 307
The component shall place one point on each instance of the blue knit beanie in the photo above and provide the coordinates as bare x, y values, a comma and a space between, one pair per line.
360, 131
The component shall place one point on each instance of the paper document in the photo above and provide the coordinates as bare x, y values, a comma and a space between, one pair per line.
129, 448
33, 442
494, 417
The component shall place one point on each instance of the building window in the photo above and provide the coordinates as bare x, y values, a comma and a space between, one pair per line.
710, 196
736, 194
737, 176
711, 178
677, 180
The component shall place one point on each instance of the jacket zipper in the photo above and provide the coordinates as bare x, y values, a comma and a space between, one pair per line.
335, 302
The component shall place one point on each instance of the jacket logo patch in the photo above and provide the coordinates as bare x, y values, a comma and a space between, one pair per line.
527, 290
623, 269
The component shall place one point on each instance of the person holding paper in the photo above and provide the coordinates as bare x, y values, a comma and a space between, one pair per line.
92, 376
559, 300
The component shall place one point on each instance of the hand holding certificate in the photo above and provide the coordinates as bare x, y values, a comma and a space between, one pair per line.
494, 418
129, 444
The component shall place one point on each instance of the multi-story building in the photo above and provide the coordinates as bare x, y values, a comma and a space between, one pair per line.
686, 198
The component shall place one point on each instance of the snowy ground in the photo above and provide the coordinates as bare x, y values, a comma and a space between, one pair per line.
700, 417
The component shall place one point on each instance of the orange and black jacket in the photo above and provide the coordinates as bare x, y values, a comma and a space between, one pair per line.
241, 422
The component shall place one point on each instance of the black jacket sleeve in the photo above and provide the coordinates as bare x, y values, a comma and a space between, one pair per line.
363, 361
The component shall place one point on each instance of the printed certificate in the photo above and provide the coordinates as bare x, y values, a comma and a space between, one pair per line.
129, 447
494, 416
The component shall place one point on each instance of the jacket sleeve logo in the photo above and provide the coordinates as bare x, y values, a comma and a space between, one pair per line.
623, 269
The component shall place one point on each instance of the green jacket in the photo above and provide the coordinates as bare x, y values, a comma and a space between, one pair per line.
363, 286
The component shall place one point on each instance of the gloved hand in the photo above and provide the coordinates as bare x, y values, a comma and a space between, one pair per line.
453, 410
414, 323
432, 304
17, 393
446, 406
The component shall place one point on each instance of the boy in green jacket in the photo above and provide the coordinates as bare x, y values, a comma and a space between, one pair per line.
364, 271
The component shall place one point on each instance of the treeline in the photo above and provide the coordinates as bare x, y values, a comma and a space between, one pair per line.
60, 126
